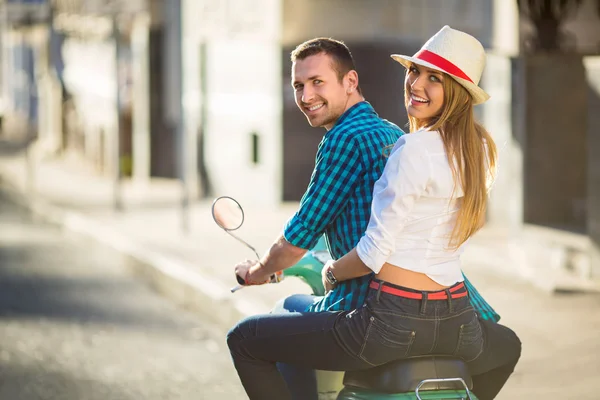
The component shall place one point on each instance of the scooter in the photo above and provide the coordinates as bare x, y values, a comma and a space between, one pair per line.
420, 378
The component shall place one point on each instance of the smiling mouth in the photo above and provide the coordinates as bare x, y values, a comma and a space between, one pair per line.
418, 99
315, 107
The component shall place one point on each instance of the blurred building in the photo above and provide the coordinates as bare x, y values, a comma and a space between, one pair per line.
92, 50
556, 124
204, 92
244, 135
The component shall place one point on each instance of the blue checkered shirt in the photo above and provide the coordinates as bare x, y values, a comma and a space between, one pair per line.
350, 159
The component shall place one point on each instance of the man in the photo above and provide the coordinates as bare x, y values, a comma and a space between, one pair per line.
337, 203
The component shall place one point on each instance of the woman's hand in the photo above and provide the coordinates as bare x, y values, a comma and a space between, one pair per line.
349, 266
326, 284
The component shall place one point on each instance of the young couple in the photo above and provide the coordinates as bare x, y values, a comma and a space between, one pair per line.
397, 211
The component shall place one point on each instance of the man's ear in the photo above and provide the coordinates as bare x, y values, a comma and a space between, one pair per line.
352, 81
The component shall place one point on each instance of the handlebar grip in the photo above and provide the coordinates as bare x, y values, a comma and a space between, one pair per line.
240, 280
275, 278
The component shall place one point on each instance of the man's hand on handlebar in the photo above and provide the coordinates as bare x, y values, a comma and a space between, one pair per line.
249, 272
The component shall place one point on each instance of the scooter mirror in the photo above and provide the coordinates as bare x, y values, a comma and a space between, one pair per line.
227, 213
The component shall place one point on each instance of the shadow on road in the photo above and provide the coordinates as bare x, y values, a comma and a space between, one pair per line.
35, 382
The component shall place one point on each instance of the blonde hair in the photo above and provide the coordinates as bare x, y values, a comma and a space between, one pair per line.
465, 142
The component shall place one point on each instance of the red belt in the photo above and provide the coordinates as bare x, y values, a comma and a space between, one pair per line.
441, 295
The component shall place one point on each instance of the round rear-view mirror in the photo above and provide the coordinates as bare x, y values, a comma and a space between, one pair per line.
227, 213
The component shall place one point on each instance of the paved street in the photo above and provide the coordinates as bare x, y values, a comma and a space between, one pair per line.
74, 325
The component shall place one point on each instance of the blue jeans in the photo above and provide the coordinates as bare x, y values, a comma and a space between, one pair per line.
386, 328
301, 381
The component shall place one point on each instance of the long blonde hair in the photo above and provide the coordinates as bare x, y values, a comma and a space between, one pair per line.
465, 142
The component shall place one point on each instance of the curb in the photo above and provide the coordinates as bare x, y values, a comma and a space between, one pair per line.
175, 279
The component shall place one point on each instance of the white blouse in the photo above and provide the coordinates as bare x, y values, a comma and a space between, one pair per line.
414, 211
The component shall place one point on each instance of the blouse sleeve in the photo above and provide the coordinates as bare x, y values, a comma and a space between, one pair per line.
404, 179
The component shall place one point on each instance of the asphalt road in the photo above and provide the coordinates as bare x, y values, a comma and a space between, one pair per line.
75, 325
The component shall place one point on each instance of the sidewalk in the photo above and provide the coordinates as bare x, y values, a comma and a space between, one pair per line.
195, 269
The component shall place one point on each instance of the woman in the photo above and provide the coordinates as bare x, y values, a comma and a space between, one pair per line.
429, 201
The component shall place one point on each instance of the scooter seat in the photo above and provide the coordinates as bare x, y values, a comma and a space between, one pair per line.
404, 375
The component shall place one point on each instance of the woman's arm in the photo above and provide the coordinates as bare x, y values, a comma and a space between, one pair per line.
349, 266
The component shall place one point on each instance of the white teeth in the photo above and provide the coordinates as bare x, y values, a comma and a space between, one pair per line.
419, 99
316, 107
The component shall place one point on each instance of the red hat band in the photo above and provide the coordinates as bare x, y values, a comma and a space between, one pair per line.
442, 63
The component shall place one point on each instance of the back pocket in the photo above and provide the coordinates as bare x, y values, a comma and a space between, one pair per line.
384, 343
470, 340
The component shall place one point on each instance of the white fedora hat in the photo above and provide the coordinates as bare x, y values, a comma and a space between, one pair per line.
457, 54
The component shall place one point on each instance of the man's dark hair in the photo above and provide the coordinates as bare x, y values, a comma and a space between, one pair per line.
336, 49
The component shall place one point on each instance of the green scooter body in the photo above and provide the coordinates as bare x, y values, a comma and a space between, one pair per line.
309, 267
309, 270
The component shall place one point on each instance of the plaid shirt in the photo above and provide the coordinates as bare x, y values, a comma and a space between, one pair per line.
350, 159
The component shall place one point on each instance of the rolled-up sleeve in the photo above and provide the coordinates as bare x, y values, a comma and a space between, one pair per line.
404, 180
337, 169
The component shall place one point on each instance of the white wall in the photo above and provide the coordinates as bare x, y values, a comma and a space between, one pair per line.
140, 85
592, 66
505, 28
94, 98
3, 63
505, 210
243, 93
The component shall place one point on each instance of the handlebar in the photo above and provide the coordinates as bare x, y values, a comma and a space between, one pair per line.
236, 288
275, 278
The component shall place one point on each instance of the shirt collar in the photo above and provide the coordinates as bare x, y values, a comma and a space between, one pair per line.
362, 107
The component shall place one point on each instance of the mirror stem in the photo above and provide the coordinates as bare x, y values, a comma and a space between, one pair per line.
245, 243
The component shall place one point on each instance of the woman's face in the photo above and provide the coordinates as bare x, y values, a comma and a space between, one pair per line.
424, 92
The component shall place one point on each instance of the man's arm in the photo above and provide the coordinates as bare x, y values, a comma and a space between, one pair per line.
338, 167
281, 255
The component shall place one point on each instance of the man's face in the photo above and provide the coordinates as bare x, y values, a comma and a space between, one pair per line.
319, 93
